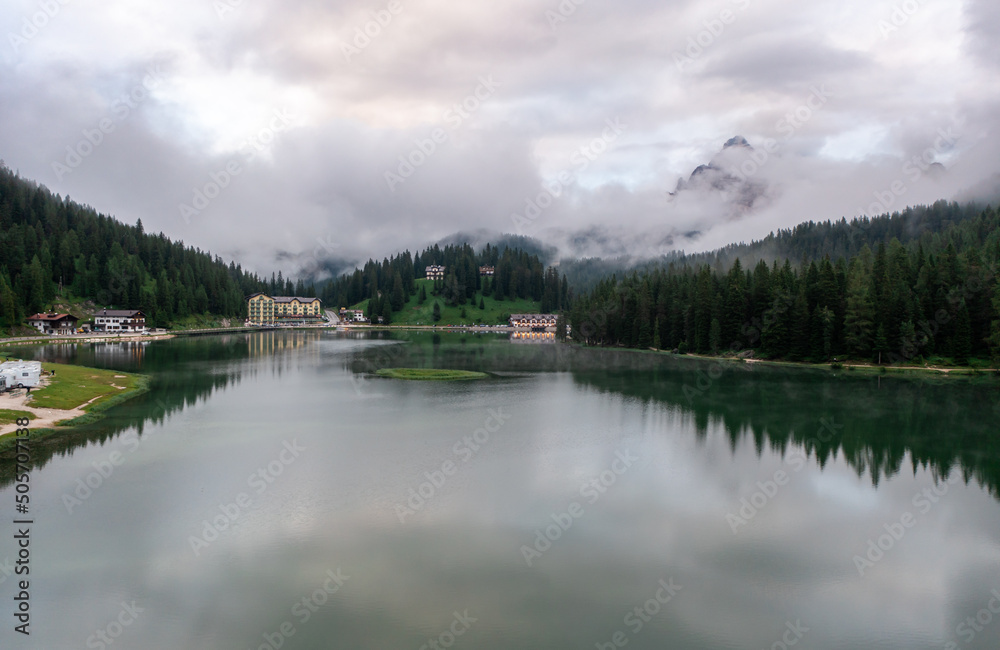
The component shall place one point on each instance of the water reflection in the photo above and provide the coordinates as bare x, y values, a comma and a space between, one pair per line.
704, 435
880, 426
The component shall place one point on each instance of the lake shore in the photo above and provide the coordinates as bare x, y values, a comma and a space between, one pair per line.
852, 366
73, 395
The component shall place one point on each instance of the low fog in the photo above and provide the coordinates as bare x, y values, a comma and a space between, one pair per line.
301, 136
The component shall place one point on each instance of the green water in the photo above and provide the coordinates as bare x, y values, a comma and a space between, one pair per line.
270, 490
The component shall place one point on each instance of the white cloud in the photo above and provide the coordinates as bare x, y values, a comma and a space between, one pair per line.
225, 75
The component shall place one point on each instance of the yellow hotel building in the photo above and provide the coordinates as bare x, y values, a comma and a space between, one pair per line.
263, 309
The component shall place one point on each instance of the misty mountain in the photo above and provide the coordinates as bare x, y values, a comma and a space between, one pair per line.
728, 178
478, 239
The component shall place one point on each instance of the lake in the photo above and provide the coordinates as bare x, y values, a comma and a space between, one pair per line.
270, 491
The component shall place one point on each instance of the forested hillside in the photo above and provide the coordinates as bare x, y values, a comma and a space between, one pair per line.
50, 245
388, 284
806, 241
911, 285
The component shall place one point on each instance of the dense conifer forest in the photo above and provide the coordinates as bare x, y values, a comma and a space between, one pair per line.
48, 242
901, 287
387, 284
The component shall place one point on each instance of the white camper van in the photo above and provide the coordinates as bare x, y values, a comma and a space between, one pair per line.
20, 374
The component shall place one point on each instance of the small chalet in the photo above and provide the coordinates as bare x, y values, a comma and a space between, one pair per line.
53, 323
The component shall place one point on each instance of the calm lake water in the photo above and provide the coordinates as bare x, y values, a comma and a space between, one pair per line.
270, 492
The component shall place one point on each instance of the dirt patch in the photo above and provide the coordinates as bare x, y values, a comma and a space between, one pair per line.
43, 417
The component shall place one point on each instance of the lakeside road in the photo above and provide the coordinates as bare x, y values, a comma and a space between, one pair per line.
826, 365
84, 338
96, 337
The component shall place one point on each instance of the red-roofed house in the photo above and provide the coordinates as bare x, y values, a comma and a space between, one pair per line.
53, 323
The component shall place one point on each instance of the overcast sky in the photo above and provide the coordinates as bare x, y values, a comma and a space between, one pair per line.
270, 131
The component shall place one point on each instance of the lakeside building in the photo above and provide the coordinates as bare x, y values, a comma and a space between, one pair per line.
487, 271
263, 309
353, 316
434, 272
533, 322
53, 323
120, 321
533, 337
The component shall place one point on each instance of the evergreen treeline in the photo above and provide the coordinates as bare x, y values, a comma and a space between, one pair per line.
907, 286
807, 241
387, 285
47, 242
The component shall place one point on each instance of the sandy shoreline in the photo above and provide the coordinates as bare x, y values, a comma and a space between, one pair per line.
45, 418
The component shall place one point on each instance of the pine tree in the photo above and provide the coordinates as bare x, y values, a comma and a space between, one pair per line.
994, 339
881, 345
437, 311
858, 319
800, 324
482, 303
963, 336
398, 295
826, 321
9, 313
714, 336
